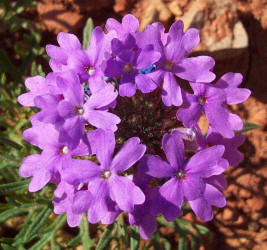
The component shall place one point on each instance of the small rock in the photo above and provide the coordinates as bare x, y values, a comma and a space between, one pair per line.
228, 214
256, 203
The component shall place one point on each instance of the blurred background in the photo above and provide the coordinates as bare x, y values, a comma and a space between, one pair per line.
234, 32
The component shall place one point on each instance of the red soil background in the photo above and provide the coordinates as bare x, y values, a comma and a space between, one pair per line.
235, 34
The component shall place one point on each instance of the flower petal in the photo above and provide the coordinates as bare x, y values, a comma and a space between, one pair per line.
173, 147
154, 166
129, 154
206, 162
125, 193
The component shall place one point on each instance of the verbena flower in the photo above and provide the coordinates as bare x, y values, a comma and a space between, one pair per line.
186, 177
108, 190
76, 122
127, 61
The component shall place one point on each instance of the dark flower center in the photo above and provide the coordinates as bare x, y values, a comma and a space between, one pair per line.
128, 68
202, 100
79, 111
181, 175
90, 70
168, 66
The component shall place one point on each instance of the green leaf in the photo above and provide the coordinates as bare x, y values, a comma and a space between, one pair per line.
87, 32
37, 223
14, 186
134, 238
182, 243
11, 143
14, 211
203, 230
84, 231
74, 242
248, 126
7, 66
166, 243
105, 238
7, 247
57, 224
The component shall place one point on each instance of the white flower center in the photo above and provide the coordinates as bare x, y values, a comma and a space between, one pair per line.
168, 66
202, 100
79, 111
181, 175
64, 150
106, 174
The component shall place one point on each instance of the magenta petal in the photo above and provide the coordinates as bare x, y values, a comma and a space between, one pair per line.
129, 154
148, 226
127, 89
202, 209
190, 40
145, 83
197, 69
57, 53
217, 181
102, 119
147, 57
176, 30
171, 91
29, 165
98, 207
102, 98
68, 41
39, 180
81, 202
66, 109
173, 147
125, 193
206, 162
171, 199
73, 220
193, 186
190, 115
130, 23
154, 166
81, 171
104, 144
214, 196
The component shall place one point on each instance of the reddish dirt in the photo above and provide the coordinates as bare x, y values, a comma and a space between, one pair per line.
242, 223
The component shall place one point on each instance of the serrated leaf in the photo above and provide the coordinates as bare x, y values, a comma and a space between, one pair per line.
14, 186
247, 127
105, 238
84, 231
87, 32
134, 238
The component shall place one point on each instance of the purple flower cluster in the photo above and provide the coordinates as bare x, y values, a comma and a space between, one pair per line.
76, 125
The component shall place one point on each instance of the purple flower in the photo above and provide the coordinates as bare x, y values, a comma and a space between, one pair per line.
129, 24
46, 166
186, 177
202, 206
142, 215
211, 100
231, 153
63, 203
86, 63
108, 190
229, 82
174, 48
128, 62
75, 109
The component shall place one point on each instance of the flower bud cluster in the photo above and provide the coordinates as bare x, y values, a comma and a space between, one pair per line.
77, 123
